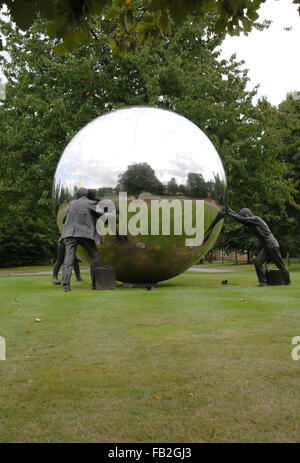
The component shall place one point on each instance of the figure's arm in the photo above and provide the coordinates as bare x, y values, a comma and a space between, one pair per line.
100, 211
65, 217
95, 209
244, 220
221, 214
232, 213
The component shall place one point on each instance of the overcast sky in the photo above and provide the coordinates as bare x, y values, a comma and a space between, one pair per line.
272, 56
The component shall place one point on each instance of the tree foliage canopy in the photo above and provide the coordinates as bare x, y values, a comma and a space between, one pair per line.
288, 123
135, 20
50, 97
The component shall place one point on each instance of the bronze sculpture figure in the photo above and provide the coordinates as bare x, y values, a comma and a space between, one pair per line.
79, 229
61, 251
270, 248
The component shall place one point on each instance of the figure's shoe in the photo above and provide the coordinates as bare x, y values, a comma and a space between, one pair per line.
79, 279
55, 281
66, 289
262, 284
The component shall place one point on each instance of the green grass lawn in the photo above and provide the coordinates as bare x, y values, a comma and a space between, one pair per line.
218, 357
36, 268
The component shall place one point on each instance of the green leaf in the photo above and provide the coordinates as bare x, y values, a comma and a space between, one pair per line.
23, 13
82, 38
60, 49
114, 47
69, 41
111, 14
47, 9
51, 29
208, 5
252, 15
122, 22
247, 24
155, 5
148, 18
123, 49
220, 26
164, 22
96, 6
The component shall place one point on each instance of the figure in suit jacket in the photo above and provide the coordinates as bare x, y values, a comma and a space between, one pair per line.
79, 229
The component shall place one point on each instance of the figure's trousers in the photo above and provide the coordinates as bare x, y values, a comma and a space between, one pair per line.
61, 249
70, 254
270, 254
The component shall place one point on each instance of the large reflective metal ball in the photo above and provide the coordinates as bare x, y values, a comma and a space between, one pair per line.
151, 154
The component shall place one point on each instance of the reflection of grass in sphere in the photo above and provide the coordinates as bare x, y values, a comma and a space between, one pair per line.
151, 258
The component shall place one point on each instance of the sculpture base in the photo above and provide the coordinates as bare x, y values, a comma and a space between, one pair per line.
274, 278
105, 278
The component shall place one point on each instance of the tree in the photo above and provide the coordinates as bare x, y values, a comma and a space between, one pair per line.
135, 20
235, 237
182, 189
172, 186
273, 189
288, 124
50, 97
185, 75
196, 186
279, 140
139, 178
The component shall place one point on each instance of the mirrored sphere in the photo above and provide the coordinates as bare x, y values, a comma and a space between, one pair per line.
151, 154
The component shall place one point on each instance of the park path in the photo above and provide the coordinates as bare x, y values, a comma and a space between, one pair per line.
203, 269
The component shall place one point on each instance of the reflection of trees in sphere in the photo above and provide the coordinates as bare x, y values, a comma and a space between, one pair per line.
152, 154
138, 178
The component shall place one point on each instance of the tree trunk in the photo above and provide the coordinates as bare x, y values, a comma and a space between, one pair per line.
248, 256
236, 258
